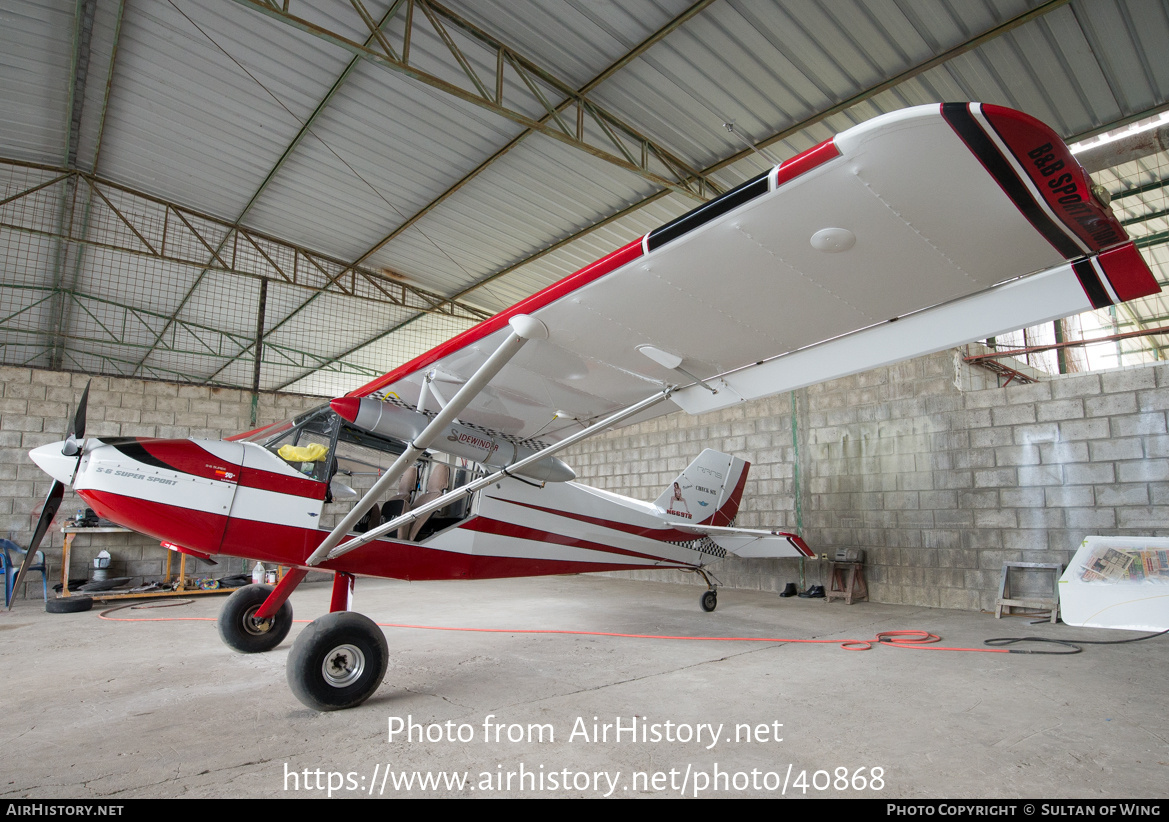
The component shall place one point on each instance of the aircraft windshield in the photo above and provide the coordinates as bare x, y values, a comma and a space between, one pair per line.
306, 443
357, 452
281, 430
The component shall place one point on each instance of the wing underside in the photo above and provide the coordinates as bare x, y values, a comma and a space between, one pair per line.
909, 233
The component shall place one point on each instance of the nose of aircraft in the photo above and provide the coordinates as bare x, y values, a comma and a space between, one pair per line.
57, 465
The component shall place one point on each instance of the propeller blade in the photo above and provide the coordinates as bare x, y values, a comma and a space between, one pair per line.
77, 427
48, 511
76, 433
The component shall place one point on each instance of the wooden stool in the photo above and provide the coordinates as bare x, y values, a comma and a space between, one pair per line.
1043, 603
850, 587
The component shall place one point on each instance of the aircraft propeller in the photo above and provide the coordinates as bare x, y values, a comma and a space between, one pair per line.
75, 436
72, 447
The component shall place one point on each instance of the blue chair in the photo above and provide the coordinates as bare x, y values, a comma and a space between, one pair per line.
11, 556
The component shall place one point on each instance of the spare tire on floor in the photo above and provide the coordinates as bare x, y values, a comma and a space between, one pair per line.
69, 605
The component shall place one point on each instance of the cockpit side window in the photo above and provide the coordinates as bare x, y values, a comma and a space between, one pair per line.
307, 444
319, 444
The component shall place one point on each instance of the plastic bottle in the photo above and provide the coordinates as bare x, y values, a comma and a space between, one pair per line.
258, 573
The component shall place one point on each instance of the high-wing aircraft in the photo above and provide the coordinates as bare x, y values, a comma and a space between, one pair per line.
912, 232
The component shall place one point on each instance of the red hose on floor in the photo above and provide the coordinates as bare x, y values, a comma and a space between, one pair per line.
922, 640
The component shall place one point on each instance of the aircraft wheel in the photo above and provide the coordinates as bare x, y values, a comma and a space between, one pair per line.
240, 630
709, 601
338, 661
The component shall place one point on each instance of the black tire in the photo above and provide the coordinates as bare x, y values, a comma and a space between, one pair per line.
338, 661
708, 601
241, 631
68, 605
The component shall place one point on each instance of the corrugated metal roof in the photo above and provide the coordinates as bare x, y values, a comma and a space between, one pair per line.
226, 109
187, 122
35, 61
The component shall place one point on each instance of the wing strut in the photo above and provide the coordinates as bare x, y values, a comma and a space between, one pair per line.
483, 482
524, 328
429, 389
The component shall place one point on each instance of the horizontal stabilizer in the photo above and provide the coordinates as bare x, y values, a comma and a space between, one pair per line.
754, 543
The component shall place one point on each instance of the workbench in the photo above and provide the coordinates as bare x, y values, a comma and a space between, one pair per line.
71, 533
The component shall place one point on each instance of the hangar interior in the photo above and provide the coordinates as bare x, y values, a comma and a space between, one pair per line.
223, 212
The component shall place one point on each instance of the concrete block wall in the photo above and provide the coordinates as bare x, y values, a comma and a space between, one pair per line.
937, 473
34, 409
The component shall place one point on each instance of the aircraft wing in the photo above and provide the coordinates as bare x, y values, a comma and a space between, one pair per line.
912, 232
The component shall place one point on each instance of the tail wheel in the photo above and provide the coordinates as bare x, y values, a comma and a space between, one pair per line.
338, 661
239, 629
709, 601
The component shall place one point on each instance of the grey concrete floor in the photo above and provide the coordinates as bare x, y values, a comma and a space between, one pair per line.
120, 709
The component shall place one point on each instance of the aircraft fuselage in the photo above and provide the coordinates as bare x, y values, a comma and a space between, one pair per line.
240, 499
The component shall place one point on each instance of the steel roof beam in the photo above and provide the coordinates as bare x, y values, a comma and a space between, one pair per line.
128, 320
105, 102
612, 69
1147, 188
172, 233
67, 256
1144, 218
609, 71
289, 149
116, 323
621, 144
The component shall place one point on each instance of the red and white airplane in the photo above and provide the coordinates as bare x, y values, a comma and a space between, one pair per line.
912, 232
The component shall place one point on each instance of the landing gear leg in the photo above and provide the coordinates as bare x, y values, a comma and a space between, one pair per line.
342, 599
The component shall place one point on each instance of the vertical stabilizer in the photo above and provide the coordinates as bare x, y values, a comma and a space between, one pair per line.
708, 491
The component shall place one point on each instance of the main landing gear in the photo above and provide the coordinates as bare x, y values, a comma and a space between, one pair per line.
337, 662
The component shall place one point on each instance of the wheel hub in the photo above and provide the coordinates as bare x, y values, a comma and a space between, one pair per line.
343, 665
256, 627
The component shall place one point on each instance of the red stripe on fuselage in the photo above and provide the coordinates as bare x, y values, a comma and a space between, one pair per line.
282, 483
185, 457
487, 525
200, 530
649, 532
419, 561
188, 457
